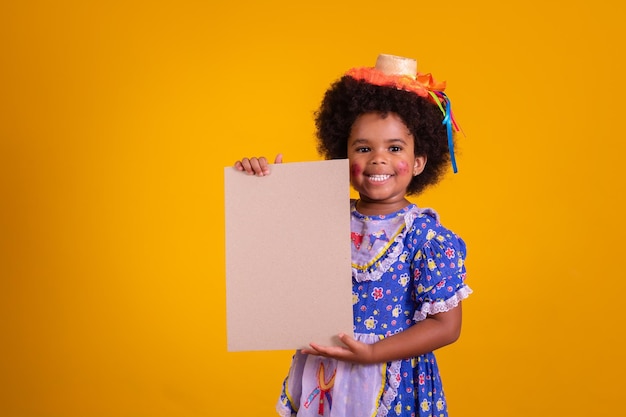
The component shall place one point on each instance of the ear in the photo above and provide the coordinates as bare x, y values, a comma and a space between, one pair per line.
419, 165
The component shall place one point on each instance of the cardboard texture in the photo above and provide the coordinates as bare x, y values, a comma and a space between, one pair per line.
288, 267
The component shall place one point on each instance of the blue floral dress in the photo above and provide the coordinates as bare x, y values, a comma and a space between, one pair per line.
405, 266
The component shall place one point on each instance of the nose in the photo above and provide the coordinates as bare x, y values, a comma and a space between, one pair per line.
378, 157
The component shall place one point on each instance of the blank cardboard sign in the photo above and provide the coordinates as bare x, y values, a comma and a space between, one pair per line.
288, 271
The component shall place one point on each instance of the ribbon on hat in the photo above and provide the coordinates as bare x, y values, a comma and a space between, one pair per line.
442, 100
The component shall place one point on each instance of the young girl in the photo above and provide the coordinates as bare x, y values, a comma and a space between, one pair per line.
395, 127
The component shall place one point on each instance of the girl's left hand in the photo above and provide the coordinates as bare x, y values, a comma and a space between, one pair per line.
353, 351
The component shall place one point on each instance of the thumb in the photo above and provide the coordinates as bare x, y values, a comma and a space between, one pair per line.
279, 159
347, 340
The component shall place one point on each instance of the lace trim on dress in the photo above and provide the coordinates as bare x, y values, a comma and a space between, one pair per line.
394, 378
375, 273
441, 306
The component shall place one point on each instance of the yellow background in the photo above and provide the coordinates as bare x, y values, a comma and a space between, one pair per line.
118, 117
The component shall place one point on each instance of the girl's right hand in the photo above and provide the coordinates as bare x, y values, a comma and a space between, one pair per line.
257, 166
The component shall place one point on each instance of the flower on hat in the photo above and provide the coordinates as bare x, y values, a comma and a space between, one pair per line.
420, 85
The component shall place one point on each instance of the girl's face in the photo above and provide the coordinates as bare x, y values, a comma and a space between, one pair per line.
382, 162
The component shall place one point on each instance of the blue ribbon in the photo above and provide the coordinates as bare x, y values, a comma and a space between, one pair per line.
447, 120
446, 108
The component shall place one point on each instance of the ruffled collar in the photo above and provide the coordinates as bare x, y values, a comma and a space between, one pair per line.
377, 242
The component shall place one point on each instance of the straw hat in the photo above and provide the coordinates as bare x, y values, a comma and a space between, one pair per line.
396, 65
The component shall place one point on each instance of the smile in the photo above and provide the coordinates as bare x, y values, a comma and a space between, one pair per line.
379, 178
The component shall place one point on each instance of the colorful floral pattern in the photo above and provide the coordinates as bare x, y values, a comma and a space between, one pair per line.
416, 271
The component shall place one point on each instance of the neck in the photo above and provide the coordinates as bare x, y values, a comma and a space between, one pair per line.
373, 208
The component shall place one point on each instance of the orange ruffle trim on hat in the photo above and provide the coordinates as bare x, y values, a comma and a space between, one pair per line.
420, 85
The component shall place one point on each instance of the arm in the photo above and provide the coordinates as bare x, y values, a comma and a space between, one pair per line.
257, 166
425, 336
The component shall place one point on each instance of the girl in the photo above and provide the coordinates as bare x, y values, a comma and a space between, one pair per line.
395, 127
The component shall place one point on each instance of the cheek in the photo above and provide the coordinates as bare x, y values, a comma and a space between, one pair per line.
355, 170
403, 167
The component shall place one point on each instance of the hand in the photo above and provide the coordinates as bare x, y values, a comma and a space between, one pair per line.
257, 166
353, 351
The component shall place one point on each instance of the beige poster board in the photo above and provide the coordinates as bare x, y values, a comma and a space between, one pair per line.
288, 272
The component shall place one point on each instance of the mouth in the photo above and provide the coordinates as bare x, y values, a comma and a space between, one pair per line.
379, 177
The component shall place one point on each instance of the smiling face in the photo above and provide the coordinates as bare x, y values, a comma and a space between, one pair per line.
382, 162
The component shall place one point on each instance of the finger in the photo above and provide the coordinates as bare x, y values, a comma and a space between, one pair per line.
316, 348
255, 165
338, 352
362, 353
322, 350
350, 343
347, 340
279, 159
265, 166
244, 165
312, 350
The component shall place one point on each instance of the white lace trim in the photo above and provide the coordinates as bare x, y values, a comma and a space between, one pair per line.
394, 378
377, 273
443, 305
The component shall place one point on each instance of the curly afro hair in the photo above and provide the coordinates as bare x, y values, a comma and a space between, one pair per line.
349, 98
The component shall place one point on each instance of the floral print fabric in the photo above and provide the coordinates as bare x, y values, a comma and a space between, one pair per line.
405, 266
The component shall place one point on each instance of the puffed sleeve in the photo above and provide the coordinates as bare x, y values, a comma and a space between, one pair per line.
439, 272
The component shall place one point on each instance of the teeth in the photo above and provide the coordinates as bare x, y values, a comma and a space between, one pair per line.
379, 177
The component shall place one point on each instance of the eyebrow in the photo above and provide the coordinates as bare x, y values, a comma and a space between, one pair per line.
389, 141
